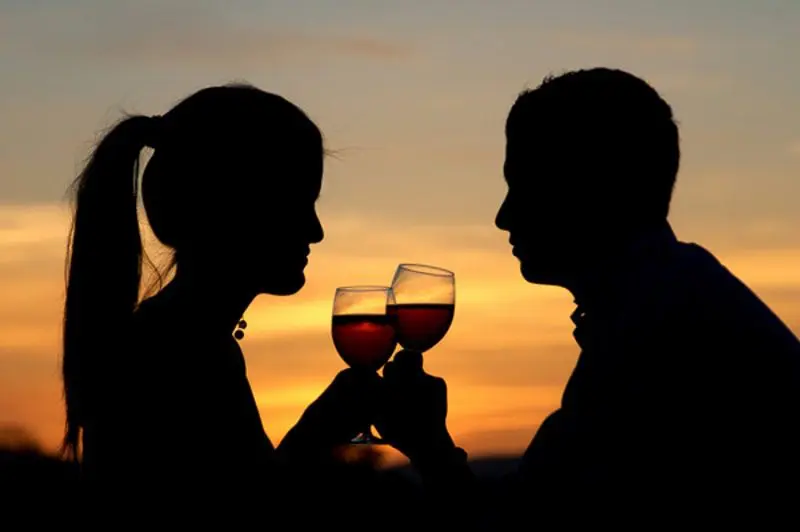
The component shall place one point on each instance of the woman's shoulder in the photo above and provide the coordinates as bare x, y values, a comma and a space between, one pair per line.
162, 336
148, 324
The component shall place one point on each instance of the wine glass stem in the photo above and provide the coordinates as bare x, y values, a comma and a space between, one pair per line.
367, 434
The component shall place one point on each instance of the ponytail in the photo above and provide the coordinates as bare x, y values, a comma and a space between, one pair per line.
104, 263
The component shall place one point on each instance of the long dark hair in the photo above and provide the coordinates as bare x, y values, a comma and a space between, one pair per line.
105, 252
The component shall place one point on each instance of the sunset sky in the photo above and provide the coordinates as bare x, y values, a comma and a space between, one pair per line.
413, 99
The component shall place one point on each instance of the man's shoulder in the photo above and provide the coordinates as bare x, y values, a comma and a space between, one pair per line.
694, 285
675, 285
691, 275
706, 281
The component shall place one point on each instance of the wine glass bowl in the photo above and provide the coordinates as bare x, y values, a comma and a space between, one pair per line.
422, 305
363, 333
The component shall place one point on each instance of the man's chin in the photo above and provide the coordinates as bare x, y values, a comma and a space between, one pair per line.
535, 274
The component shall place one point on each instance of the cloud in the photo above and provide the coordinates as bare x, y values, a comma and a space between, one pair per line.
244, 47
32, 233
180, 34
642, 44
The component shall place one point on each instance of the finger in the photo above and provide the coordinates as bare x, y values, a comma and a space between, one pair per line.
343, 377
440, 386
362, 385
395, 374
371, 384
409, 362
351, 384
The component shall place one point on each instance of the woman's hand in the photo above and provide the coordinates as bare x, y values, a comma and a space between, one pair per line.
334, 418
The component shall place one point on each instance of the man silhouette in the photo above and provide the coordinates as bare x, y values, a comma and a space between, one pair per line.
686, 394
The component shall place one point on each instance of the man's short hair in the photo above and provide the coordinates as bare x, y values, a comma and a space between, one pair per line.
612, 124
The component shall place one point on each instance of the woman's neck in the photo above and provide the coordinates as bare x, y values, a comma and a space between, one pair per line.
213, 304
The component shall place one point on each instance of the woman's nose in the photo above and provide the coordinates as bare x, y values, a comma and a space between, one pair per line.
317, 232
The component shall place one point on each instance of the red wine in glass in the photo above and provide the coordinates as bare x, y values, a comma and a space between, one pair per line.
364, 341
363, 333
420, 326
422, 305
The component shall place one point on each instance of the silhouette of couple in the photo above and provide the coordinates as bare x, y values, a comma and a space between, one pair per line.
686, 393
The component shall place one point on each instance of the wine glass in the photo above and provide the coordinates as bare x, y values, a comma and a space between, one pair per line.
423, 305
363, 334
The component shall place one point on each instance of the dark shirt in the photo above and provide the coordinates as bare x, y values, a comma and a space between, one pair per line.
686, 393
179, 413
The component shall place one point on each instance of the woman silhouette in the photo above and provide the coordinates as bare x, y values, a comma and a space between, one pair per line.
157, 389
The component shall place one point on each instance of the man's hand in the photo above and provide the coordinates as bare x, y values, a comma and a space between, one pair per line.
413, 412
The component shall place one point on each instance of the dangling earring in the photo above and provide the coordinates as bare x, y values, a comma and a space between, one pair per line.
240, 327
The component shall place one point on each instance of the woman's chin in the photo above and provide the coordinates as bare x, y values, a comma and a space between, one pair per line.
287, 286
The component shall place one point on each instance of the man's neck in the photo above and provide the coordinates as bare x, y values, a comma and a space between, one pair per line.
605, 280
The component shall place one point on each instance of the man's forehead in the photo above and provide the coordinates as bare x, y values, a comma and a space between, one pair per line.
537, 166
540, 148
518, 167
534, 134
520, 152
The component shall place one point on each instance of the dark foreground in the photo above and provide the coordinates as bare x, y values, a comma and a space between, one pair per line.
354, 491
